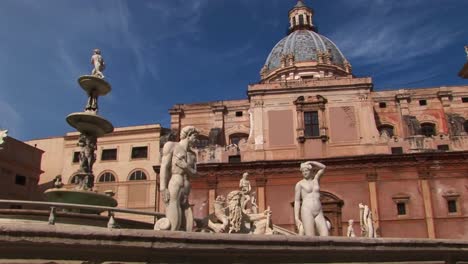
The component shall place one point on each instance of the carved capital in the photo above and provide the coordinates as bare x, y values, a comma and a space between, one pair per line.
261, 181
372, 176
212, 182
425, 174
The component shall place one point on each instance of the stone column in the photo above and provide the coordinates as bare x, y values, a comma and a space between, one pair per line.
424, 178
261, 197
212, 185
374, 202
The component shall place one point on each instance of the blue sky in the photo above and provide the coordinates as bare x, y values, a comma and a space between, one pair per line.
162, 52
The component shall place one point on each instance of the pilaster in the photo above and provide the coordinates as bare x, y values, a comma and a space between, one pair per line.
424, 178
374, 204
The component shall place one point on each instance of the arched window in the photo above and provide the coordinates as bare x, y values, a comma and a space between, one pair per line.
388, 129
301, 20
107, 177
428, 129
138, 175
466, 126
237, 137
202, 141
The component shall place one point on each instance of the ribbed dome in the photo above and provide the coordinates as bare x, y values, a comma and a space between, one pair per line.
304, 45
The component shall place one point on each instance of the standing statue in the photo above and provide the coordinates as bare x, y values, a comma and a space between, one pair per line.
3, 135
350, 232
178, 164
466, 51
230, 217
98, 63
308, 212
88, 145
367, 223
246, 188
87, 155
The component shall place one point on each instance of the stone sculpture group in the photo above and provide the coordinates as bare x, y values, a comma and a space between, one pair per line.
238, 211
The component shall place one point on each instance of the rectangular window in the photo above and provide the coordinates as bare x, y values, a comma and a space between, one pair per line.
301, 20
452, 206
311, 124
20, 179
382, 105
397, 150
239, 113
443, 147
401, 208
465, 99
139, 152
235, 159
76, 157
422, 102
109, 154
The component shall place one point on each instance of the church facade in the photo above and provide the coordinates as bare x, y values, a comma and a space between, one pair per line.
403, 152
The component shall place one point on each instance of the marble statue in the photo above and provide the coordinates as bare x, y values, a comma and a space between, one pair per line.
367, 223
230, 218
87, 156
58, 182
246, 188
3, 135
350, 232
466, 51
98, 62
308, 213
251, 122
178, 165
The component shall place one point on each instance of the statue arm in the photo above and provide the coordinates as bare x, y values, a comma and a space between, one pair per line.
320, 171
181, 163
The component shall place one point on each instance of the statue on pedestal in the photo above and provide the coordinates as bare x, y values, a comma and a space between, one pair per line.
308, 213
367, 223
98, 62
178, 165
350, 231
231, 218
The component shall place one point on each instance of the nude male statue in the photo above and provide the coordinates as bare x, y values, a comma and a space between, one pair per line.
308, 216
178, 164
98, 63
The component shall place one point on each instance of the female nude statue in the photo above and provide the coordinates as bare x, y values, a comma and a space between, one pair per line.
308, 215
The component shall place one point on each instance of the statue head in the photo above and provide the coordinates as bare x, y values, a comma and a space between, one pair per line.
220, 199
245, 175
190, 133
350, 222
307, 169
97, 51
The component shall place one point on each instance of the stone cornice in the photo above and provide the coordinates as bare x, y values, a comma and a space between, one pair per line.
322, 85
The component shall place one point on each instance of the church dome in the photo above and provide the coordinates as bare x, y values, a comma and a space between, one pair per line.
304, 45
304, 53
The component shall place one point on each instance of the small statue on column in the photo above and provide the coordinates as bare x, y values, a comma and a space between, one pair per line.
350, 231
98, 63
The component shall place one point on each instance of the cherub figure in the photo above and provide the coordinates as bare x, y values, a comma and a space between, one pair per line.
98, 63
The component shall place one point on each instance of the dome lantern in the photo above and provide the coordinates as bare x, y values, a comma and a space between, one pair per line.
301, 17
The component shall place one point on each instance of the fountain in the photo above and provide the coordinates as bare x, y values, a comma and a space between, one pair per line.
91, 126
